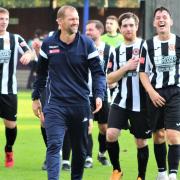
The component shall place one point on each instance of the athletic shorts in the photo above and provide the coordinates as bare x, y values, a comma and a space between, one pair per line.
102, 116
168, 116
136, 122
8, 106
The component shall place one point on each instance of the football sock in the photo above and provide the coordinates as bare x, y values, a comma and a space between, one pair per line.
160, 152
113, 151
173, 158
102, 142
142, 156
10, 138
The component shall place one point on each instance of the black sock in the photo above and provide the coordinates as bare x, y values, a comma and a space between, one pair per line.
10, 138
102, 142
142, 156
173, 158
66, 149
43, 132
89, 145
160, 152
113, 151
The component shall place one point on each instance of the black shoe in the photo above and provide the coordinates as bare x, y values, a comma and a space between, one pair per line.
103, 160
44, 166
66, 167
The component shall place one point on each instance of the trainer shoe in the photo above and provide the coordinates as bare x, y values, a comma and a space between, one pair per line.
162, 176
66, 165
9, 159
103, 160
44, 166
88, 163
116, 175
172, 176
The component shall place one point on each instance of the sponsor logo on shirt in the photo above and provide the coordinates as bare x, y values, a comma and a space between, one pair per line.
54, 51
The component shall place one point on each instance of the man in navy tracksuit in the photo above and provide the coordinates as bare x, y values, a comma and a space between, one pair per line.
64, 60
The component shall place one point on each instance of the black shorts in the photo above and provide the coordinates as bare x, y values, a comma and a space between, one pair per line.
8, 106
168, 116
137, 123
102, 116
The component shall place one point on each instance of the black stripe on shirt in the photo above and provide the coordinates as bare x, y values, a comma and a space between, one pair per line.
11, 62
150, 45
164, 51
1, 64
129, 99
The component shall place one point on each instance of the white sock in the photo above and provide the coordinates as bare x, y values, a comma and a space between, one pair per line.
101, 154
164, 173
65, 162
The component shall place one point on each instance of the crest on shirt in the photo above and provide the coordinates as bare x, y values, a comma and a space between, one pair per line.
101, 53
135, 51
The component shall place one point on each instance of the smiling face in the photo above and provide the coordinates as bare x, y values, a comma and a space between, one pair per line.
70, 22
162, 22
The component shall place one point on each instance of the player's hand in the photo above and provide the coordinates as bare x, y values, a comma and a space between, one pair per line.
37, 109
98, 105
113, 85
27, 57
157, 100
36, 45
132, 64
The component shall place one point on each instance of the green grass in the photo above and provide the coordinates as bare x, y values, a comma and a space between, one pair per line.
30, 151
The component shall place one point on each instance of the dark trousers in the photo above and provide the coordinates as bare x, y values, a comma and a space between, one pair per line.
57, 119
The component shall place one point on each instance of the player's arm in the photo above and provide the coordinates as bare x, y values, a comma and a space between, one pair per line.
116, 75
154, 96
98, 75
143, 69
40, 82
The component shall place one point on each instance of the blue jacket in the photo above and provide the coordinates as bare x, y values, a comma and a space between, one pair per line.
64, 67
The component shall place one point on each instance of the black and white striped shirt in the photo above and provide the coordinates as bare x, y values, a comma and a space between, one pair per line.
106, 53
160, 59
10, 45
131, 94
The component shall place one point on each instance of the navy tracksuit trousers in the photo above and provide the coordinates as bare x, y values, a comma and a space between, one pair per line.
57, 120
